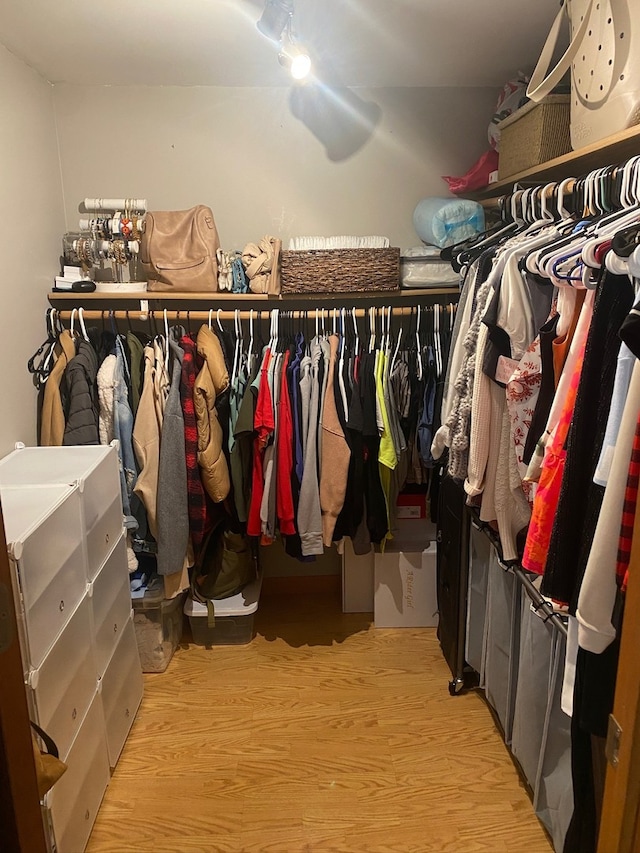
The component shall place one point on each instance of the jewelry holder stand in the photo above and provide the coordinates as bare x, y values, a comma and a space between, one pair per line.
107, 240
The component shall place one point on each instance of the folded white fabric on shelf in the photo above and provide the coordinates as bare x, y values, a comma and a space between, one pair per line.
304, 244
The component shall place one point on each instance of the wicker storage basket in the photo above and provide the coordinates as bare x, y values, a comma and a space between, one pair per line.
342, 270
534, 134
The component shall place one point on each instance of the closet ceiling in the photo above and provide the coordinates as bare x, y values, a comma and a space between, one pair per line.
216, 43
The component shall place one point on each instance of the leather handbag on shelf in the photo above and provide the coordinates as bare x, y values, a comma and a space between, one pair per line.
178, 250
49, 767
261, 262
605, 67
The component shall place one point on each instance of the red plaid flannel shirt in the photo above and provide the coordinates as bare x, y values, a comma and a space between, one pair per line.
629, 513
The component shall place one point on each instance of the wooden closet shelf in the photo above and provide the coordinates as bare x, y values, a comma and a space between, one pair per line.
613, 149
189, 301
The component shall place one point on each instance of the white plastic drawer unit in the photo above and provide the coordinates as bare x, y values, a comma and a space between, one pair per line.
102, 535
121, 691
66, 682
44, 538
75, 798
110, 597
95, 468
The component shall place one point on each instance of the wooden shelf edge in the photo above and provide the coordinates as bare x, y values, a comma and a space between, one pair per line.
613, 149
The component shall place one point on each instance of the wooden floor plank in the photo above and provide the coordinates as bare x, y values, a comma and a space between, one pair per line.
324, 735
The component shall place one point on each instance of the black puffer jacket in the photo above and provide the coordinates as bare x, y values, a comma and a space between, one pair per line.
82, 414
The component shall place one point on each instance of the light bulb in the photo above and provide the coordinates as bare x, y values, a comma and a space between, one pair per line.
300, 66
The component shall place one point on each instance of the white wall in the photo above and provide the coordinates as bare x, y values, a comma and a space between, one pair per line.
260, 169
31, 212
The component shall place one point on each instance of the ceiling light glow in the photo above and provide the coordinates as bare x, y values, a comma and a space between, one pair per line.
300, 66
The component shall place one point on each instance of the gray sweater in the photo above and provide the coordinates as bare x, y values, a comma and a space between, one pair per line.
171, 506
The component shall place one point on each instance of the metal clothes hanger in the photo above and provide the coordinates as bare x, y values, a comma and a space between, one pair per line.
83, 328
418, 345
250, 350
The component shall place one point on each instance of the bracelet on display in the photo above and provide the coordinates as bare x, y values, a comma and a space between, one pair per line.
125, 228
119, 254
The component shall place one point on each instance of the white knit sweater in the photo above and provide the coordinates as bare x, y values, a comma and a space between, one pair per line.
598, 590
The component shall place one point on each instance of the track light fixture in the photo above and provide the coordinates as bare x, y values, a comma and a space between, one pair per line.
276, 23
297, 60
275, 17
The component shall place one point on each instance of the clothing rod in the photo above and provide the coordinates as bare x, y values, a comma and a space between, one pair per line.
243, 314
540, 603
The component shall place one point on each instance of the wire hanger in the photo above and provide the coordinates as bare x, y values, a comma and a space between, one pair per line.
418, 345
238, 347
166, 340
356, 347
250, 350
82, 325
396, 351
436, 338
372, 329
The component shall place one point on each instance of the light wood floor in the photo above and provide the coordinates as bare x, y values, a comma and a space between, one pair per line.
324, 734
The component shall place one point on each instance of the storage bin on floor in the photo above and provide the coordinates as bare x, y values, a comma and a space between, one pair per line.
405, 594
158, 624
233, 618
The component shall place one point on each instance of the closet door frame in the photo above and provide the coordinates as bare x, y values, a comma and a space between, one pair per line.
21, 824
620, 823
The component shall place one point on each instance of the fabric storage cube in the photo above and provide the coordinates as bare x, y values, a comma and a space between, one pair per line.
405, 589
64, 685
233, 618
121, 691
501, 643
74, 800
480, 553
44, 537
158, 625
532, 690
110, 603
553, 798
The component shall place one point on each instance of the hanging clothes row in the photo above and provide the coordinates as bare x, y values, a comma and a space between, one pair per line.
540, 415
310, 433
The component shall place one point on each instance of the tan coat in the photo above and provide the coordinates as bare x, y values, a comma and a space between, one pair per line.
53, 424
146, 441
212, 380
336, 454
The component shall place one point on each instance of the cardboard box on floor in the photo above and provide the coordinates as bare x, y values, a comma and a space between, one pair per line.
412, 533
405, 591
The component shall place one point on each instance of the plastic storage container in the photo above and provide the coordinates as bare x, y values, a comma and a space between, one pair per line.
158, 625
421, 266
233, 618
